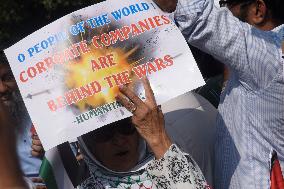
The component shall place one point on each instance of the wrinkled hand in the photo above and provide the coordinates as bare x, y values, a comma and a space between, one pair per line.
167, 5
147, 117
37, 148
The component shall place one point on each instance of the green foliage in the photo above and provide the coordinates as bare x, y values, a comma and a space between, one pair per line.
19, 18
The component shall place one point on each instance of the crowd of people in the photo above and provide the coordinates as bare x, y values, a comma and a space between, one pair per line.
187, 142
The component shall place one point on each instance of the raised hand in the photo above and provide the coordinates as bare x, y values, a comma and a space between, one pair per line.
147, 117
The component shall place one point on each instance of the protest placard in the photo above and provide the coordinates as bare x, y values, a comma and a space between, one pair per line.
69, 71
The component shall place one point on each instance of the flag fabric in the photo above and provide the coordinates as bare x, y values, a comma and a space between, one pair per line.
53, 171
276, 177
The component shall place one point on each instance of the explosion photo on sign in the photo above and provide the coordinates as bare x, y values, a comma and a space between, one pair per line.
98, 63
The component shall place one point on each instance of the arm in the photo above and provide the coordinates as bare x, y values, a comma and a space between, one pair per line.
214, 31
250, 53
10, 173
176, 170
147, 117
172, 168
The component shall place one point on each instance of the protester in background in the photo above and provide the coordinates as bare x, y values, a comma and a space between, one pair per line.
10, 172
11, 98
120, 155
251, 109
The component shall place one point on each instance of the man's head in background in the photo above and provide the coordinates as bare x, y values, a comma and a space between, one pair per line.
263, 14
7, 81
9, 92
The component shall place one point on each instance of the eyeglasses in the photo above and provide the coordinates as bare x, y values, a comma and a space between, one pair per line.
106, 133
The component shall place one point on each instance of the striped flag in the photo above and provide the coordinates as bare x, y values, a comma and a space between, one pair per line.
53, 172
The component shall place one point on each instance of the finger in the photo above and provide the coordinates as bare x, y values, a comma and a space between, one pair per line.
41, 187
37, 142
131, 95
150, 97
37, 148
127, 103
35, 137
79, 157
37, 154
37, 180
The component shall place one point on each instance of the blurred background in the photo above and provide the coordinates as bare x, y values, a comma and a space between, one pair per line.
20, 18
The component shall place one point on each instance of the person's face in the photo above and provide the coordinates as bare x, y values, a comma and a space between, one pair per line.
119, 151
243, 11
7, 84
11, 97
254, 13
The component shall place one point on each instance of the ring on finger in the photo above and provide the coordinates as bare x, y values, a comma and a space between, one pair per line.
133, 109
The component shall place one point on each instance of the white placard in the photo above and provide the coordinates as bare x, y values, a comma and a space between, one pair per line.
69, 70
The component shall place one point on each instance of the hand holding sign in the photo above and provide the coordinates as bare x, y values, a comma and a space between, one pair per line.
147, 117
37, 148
